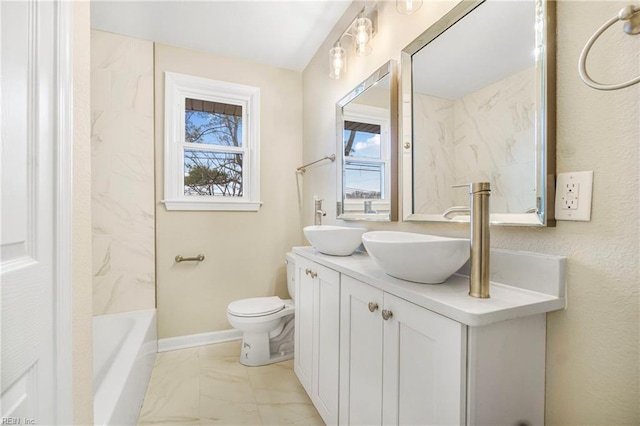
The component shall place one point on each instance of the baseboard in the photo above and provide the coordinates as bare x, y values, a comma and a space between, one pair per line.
194, 340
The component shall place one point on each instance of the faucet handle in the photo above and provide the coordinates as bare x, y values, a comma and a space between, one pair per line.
475, 187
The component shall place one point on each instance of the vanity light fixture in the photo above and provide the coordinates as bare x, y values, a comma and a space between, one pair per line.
337, 61
407, 7
361, 31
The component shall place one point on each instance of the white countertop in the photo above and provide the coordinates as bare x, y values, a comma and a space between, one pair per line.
451, 298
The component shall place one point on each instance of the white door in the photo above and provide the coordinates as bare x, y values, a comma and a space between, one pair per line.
360, 353
424, 366
28, 190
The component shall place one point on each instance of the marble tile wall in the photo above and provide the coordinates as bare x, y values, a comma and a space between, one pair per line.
434, 165
122, 180
474, 142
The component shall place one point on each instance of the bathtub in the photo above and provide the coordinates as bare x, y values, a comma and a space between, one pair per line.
124, 351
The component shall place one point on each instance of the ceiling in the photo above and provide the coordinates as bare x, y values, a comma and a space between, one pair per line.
283, 34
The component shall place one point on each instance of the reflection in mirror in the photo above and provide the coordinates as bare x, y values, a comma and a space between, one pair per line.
479, 108
367, 147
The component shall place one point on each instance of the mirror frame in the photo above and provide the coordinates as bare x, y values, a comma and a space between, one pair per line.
545, 140
388, 69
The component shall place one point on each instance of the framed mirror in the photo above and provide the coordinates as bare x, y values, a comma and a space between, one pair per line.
478, 105
367, 138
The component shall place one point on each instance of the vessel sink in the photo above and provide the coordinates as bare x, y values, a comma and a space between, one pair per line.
416, 257
334, 240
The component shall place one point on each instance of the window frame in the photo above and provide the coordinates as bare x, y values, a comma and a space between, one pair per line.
372, 115
178, 87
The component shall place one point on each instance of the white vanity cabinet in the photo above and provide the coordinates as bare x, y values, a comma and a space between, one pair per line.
399, 363
317, 335
372, 349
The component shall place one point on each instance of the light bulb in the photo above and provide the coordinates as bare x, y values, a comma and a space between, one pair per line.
362, 33
407, 7
337, 61
363, 37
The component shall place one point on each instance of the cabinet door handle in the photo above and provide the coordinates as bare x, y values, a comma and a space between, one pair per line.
311, 273
373, 306
386, 314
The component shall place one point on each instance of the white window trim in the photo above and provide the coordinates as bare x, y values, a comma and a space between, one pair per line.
373, 115
180, 86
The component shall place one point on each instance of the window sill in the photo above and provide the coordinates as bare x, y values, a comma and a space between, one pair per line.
208, 205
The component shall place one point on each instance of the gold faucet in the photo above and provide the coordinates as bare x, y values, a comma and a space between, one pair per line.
479, 277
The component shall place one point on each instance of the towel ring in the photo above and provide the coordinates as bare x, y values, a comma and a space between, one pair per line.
631, 14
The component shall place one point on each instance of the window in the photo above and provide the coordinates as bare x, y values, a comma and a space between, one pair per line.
366, 156
212, 153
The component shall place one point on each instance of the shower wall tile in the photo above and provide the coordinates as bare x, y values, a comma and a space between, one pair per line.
122, 173
434, 161
490, 148
470, 141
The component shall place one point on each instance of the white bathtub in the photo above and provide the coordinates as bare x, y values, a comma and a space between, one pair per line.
124, 351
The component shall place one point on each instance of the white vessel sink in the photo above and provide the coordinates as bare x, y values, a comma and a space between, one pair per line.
416, 257
334, 240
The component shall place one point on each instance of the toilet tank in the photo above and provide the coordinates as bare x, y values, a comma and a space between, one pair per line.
290, 260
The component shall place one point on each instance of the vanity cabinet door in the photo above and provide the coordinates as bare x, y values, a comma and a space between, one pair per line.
303, 321
326, 343
317, 335
360, 353
424, 369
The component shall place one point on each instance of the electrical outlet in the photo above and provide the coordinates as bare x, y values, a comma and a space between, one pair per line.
573, 196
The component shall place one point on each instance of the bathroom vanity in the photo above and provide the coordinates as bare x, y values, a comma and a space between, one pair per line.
373, 349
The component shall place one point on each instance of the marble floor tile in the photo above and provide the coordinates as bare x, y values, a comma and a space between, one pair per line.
287, 413
226, 388
173, 395
278, 387
214, 412
167, 421
314, 420
224, 368
221, 350
209, 386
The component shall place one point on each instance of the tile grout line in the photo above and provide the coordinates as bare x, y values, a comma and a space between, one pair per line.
255, 400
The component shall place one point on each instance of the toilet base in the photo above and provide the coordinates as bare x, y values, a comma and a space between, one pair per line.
272, 359
256, 347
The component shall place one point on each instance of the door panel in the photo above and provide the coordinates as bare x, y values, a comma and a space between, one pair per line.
326, 342
360, 354
27, 121
303, 359
424, 366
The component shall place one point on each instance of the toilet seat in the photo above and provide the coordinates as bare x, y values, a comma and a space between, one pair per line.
256, 306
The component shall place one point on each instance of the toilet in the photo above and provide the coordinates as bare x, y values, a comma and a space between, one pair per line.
266, 324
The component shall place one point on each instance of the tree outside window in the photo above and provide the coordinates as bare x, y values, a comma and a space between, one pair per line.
209, 171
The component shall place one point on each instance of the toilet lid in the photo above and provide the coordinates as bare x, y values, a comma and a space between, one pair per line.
256, 306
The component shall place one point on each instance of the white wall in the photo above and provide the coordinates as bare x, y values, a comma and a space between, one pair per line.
122, 190
592, 347
245, 251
